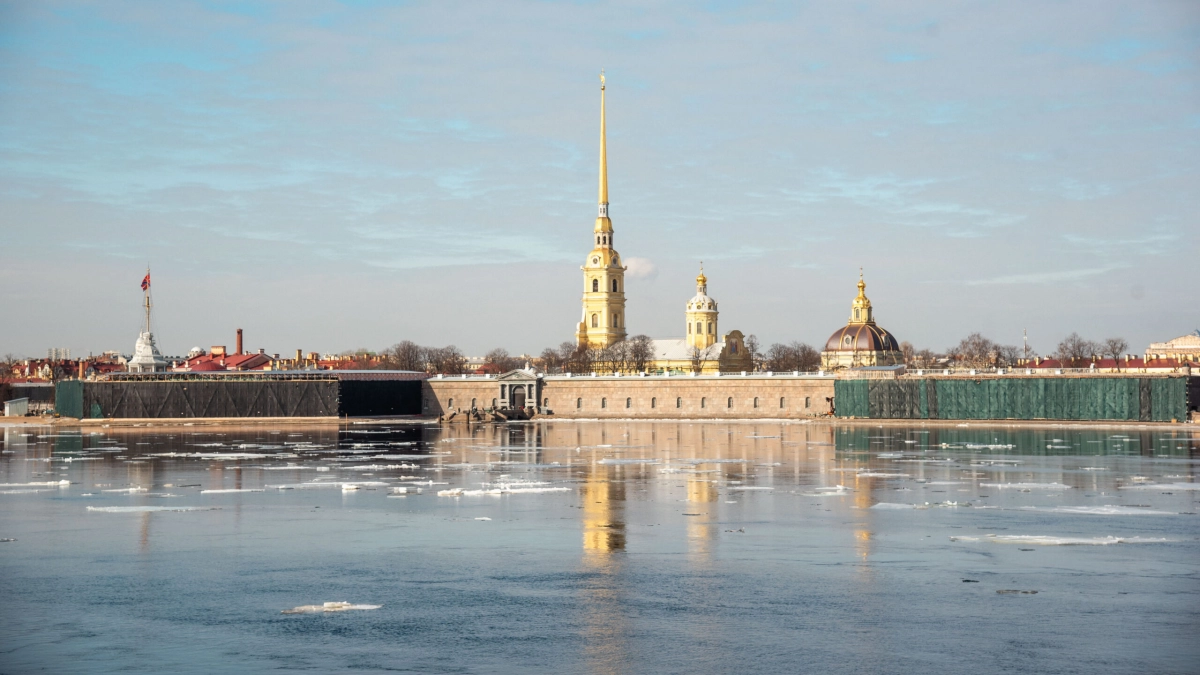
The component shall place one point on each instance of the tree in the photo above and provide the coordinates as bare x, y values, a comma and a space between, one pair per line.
753, 348
550, 361
641, 352
908, 351
615, 357
1114, 347
807, 358
1007, 355
500, 358
697, 357
1075, 352
581, 359
447, 360
796, 356
974, 351
405, 355
924, 358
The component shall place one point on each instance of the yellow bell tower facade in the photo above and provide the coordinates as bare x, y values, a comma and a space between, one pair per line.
603, 320
701, 316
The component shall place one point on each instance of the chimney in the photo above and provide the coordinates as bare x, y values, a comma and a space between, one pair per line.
239, 342
261, 350
299, 355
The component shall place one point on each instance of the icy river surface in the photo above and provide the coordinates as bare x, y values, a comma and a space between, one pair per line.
600, 547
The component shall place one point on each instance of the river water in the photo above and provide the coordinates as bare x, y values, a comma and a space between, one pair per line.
600, 547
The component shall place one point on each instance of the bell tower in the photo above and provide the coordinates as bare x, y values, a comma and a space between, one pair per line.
701, 315
603, 320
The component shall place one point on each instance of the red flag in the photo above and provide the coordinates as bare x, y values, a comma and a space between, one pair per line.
146, 282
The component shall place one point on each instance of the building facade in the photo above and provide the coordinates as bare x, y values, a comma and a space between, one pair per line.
1185, 348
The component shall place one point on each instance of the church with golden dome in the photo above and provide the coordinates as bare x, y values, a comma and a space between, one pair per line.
602, 322
861, 342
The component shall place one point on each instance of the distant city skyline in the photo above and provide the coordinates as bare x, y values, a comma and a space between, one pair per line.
331, 175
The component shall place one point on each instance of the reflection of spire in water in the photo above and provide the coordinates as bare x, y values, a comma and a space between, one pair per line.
700, 528
603, 510
605, 630
144, 539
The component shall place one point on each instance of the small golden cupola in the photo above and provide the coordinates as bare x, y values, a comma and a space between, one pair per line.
701, 315
860, 309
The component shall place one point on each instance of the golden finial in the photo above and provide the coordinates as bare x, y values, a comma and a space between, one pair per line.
701, 279
601, 78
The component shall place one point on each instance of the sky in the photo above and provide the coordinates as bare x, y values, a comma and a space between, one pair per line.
333, 175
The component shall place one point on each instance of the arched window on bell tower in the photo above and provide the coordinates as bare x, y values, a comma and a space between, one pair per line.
595, 285
594, 322
614, 286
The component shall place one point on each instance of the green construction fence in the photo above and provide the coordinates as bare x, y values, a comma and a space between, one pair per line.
1145, 399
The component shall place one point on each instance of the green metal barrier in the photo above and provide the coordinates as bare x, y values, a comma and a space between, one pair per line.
1158, 399
68, 398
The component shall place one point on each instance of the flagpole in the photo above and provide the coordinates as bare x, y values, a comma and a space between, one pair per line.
147, 300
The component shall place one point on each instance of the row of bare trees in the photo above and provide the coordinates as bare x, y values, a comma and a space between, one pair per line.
408, 355
977, 351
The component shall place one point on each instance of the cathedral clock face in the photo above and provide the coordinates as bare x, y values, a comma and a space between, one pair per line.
615, 261
595, 260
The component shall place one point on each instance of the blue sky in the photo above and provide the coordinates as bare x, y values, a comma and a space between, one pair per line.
330, 175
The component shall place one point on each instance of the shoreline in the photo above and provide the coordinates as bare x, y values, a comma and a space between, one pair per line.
209, 422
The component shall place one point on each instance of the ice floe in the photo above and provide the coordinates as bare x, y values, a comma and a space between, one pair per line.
1170, 487
1043, 540
49, 483
328, 607
231, 491
1106, 510
619, 462
1028, 486
149, 509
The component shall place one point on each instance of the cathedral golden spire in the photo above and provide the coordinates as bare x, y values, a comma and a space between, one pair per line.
603, 156
860, 309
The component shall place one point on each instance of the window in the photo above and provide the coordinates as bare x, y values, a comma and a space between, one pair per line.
856, 313
678, 402
781, 402
493, 403
546, 402
689, 328
710, 328
472, 404
653, 402
449, 403
755, 401
578, 403
729, 403
614, 320
733, 347
699, 328
597, 240
595, 285
847, 340
614, 285
703, 401
807, 401
594, 319
604, 403
503, 389
629, 403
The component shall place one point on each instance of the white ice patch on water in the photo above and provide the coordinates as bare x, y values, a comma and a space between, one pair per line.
880, 474
131, 490
1041, 540
1106, 510
48, 483
619, 462
149, 509
1170, 487
231, 491
892, 506
328, 607
748, 487
1028, 486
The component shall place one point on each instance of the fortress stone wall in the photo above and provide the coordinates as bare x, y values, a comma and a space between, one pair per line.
731, 396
